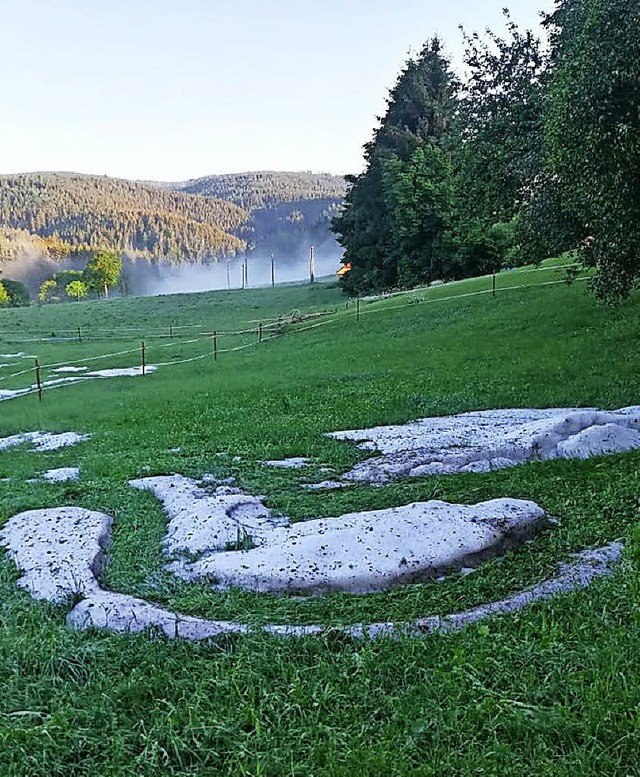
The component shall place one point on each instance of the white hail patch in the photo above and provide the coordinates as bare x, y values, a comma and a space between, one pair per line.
43, 441
117, 372
369, 551
294, 462
58, 551
61, 475
357, 552
121, 613
60, 554
490, 439
12, 393
202, 520
121, 372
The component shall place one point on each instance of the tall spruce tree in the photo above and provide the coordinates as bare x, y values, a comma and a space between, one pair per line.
383, 245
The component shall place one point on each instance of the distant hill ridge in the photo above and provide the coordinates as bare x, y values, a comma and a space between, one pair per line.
266, 189
89, 212
194, 221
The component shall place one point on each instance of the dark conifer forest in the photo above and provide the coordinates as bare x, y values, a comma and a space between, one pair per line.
534, 151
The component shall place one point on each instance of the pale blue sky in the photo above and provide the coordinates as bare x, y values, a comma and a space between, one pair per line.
173, 89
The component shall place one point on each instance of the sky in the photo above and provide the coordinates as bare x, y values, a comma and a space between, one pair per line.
176, 89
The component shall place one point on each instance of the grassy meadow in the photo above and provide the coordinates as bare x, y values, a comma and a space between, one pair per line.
552, 690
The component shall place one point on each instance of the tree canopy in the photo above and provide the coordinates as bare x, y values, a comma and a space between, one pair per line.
532, 154
386, 223
592, 138
17, 292
91, 212
102, 272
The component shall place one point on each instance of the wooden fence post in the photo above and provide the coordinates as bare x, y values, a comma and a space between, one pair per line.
260, 333
38, 381
493, 285
215, 346
79, 335
144, 363
357, 308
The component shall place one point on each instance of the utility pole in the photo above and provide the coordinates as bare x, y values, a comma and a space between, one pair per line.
246, 273
273, 271
312, 264
228, 278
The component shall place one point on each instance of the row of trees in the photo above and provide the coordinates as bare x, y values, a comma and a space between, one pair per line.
102, 273
13, 294
536, 152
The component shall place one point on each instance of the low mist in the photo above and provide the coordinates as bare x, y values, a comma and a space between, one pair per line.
152, 279
141, 277
31, 264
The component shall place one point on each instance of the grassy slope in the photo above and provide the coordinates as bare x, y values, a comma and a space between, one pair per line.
553, 690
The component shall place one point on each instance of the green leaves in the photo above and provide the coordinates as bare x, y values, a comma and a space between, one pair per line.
419, 195
102, 272
535, 155
77, 289
4, 297
592, 137
395, 210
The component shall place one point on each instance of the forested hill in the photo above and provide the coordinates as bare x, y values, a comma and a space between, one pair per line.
145, 221
258, 190
289, 211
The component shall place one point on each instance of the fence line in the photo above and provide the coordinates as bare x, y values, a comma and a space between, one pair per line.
163, 332
473, 294
266, 329
181, 361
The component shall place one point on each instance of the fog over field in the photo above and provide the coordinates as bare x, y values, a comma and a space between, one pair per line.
145, 279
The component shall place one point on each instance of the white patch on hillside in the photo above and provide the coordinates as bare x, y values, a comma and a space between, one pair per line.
357, 552
58, 551
116, 372
202, 520
43, 441
70, 369
12, 393
294, 462
325, 485
122, 372
60, 554
370, 551
127, 614
61, 475
490, 439
130, 615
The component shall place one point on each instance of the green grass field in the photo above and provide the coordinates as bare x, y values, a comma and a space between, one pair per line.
552, 690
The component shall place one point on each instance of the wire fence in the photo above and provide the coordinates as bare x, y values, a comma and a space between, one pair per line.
267, 330
168, 331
